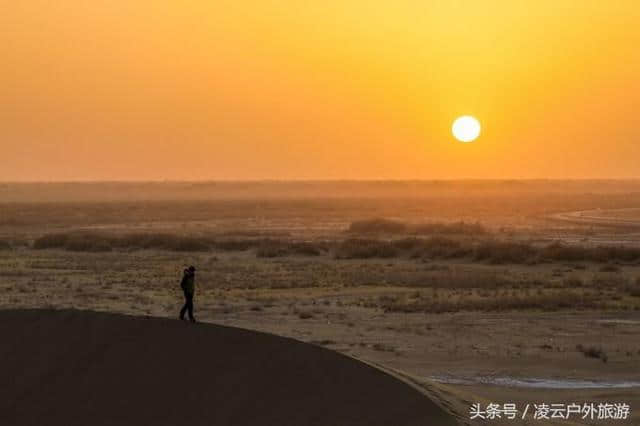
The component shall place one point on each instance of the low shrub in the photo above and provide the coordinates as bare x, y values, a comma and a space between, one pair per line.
634, 288
162, 242
592, 352
563, 252
97, 242
609, 268
434, 247
355, 248
455, 228
235, 245
377, 226
504, 252
386, 226
490, 303
51, 241
279, 248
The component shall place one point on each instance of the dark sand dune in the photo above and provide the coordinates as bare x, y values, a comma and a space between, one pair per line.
88, 369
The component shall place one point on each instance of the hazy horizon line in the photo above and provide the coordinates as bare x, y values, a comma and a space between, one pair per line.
330, 180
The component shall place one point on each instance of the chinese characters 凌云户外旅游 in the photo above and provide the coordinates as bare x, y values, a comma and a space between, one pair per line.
544, 411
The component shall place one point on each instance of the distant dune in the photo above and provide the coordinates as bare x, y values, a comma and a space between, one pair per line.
91, 369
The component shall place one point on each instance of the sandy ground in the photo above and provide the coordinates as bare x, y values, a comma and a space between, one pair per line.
319, 306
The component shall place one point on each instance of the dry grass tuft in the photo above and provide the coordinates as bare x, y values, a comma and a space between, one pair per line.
592, 352
486, 302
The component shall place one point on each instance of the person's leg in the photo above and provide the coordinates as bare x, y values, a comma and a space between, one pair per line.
185, 306
190, 307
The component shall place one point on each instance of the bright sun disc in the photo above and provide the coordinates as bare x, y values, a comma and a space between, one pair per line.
466, 128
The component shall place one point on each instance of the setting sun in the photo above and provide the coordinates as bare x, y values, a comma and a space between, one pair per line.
261, 90
466, 128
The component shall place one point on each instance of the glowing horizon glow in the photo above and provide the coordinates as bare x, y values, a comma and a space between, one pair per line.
466, 128
289, 90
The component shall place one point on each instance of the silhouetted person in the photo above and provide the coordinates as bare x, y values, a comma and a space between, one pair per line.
189, 288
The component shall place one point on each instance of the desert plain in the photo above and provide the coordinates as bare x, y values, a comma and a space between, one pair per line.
475, 292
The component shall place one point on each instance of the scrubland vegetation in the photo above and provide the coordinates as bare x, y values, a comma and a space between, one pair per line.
487, 250
430, 273
438, 252
499, 301
99, 242
386, 226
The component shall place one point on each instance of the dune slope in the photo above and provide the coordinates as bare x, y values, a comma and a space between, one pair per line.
91, 369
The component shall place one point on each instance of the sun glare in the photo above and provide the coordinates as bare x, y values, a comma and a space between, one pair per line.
466, 128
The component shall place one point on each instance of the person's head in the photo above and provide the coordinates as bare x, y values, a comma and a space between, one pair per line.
192, 269
186, 271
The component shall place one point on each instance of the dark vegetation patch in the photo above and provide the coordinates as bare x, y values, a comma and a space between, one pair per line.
382, 347
504, 252
100, 242
377, 226
522, 252
434, 247
304, 314
355, 248
426, 303
564, 252
254, 233
592, 352
387, 226
634, 288
609, 268
97, 242
279, 248
491, 251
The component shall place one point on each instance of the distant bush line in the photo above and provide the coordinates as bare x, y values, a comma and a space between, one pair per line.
386, 226
99, 242
435, 247
491, 251
95, 242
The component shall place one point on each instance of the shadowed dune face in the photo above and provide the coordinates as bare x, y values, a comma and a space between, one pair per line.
87, 368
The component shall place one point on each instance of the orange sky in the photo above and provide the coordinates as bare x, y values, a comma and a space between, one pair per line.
360, 89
